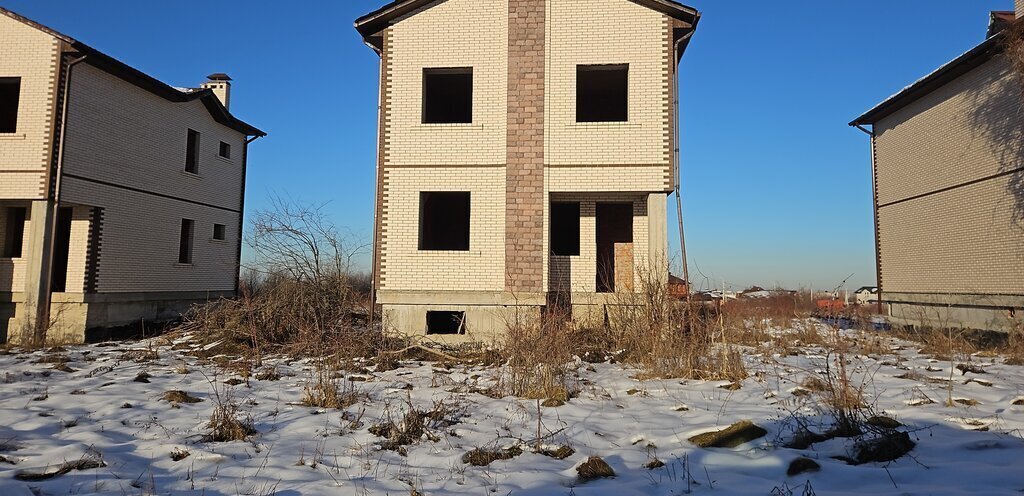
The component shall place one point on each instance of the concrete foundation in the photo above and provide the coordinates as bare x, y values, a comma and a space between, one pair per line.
80, 318
1003, 313
489, 315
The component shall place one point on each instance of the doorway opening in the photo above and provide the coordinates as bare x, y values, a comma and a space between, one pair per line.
614, 246
61, 250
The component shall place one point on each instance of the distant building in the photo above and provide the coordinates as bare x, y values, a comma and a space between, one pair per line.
948, 171
120, 196
866, 295
526, 151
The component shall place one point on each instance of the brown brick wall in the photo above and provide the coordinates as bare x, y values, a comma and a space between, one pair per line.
524, 211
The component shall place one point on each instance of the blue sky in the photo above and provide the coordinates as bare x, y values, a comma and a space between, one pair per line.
777, 188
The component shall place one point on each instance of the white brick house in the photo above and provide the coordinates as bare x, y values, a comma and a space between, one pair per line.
526, 151
120, 196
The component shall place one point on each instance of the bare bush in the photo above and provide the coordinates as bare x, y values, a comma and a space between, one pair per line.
668, 338
327, 390
227, 422
540, 359
1014, 43
648, 328
300, 295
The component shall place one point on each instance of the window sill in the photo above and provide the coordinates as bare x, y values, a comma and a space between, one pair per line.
450, 252
219, 241
607, 124
225, 159
193, 175
184, 265
13, 136
11, 259
449, 126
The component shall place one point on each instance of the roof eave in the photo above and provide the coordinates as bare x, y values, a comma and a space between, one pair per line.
376, 21
957, 67
149, 83
138, 78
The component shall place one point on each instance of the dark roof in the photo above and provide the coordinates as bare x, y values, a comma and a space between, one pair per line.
1000, 20
134, 76
959, 66
374, 22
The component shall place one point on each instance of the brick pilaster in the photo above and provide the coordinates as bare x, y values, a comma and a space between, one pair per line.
524, 211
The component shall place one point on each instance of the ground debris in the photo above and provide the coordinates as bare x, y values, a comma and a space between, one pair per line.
964, 368
884, 448
481, 457
802, 465
730, 437
594, 468
176, 396
84, 463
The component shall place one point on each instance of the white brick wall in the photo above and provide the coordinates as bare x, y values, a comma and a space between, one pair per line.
604, 178
607, 32
960, 241
960, 119
31, 55
138, 140
140, 242
122, 134
455, 33
481, 268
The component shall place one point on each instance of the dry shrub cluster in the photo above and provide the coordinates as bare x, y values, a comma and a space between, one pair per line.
1014, 40
539, 358
748, 320
228, 422
649, 329
328, 390
669, 338
301, 294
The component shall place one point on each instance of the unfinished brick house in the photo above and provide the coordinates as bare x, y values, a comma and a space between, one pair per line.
526, 151
120, 196
948, 173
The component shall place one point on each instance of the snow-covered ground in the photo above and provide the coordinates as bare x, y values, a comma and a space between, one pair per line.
95, 410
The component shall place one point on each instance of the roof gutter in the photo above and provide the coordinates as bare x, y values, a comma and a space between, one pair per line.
957, 67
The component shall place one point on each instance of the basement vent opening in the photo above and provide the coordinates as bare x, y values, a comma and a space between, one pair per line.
602, 93
444, 221
443, 322
448, 96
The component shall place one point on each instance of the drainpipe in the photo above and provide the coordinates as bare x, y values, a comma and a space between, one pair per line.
678, 166
874, 196
376, 182
43, 307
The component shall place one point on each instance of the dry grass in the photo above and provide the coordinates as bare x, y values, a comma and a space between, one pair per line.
647, 329
539, 359
227, 422
328, 390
